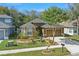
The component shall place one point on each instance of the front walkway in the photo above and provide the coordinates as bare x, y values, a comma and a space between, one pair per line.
26, 49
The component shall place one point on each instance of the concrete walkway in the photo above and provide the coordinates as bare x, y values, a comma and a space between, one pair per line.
27, 49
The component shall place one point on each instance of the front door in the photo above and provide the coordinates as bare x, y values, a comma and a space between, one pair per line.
39, 30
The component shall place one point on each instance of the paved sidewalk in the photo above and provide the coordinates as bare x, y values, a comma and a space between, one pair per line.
26, 49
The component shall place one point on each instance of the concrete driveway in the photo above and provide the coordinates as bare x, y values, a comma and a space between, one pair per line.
71, 45
74, 49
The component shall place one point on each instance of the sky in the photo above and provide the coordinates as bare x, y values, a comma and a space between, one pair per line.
34, 6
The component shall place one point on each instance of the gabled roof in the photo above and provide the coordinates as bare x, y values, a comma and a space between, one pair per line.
69, 23
3, 25
4, 16
37, 20
53, 26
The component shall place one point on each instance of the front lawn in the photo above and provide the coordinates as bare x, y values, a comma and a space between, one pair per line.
74, 37
38, 43
55, 52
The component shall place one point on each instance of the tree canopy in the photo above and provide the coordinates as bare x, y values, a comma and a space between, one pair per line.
51, 15
19, 18
54, 15
74, 10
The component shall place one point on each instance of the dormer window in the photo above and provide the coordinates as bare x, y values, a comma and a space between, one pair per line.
7, 20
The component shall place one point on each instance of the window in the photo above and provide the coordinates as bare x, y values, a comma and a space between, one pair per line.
7, 20
75, 31
29, 33
70, 31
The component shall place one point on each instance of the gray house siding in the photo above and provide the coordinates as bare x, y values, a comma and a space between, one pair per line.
7, 21
4, 33
1, 34
6, 27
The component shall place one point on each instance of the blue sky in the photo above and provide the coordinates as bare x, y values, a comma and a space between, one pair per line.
33, 6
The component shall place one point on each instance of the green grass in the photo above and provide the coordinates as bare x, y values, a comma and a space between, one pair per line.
55, 52
74, 37
19, 46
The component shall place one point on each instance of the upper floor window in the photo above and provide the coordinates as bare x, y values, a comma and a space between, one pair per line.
7, 20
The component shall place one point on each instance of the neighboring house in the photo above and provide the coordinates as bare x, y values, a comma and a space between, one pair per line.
6, 27
38, 25
70, 27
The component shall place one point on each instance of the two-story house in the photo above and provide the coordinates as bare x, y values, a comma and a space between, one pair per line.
6, 26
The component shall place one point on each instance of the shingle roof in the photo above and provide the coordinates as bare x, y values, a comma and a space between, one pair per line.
69, 23
37, 20
3, 25
4, 16
52, 26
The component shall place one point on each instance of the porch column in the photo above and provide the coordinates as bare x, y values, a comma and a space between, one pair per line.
43, 32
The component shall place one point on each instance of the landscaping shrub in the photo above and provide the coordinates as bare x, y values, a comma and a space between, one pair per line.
4, 43
13, 36
66, 35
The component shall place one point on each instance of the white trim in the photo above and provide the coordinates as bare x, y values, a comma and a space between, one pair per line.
5, 37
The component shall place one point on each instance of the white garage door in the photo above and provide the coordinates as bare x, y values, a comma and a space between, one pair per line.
1, 34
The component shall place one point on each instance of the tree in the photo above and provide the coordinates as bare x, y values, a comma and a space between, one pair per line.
74, 8
54, 15
32, 14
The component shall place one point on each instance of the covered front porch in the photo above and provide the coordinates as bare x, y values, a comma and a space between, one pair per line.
50, 31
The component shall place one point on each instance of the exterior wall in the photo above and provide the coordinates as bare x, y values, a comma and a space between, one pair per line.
27, 31
6, 20
70, 31
1, 34
22, 30
4, 33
